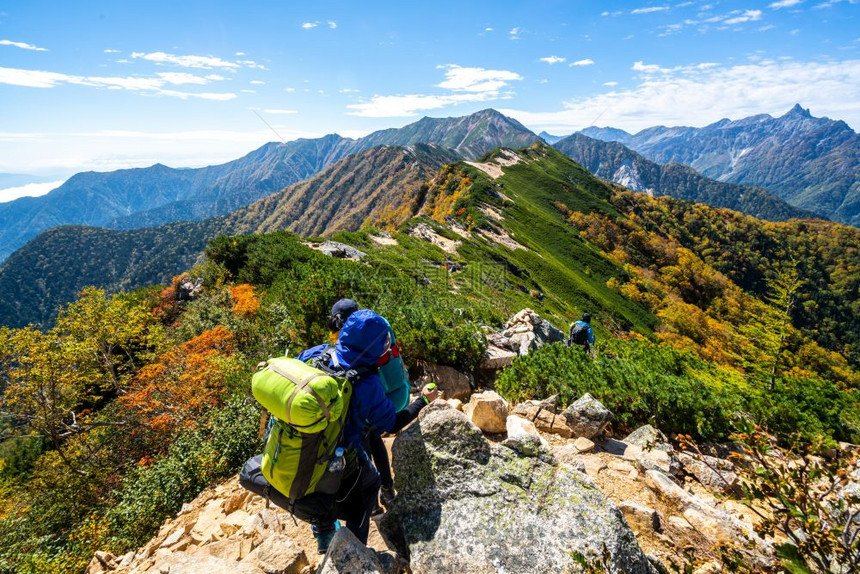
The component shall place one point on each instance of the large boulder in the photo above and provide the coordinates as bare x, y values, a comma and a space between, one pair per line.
488, 411
450, 381
587, 417
467, 505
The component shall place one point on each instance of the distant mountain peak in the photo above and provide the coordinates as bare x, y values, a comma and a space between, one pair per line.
798, 111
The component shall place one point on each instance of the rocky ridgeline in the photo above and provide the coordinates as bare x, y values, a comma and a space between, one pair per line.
484, 487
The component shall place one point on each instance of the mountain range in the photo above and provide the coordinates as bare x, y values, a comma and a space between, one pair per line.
812, 163
334, 184
159, 194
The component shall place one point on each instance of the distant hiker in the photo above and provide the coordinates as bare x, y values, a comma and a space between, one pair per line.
395, 381
581, 333
329, 476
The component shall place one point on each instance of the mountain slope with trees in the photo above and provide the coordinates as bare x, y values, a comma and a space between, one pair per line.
615, 162
151, 196
132, 404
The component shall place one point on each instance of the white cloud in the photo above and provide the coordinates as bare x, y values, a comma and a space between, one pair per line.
612, 14
830, 3
309, 25
332, 25
258, 83
461, 79
111, 51
467, 85
702, 94
22, 45
147, 85
515, 33
348, 91
610, 84
650, 10
29, 190
240, 53
586, 62
248, 91
552, 60
289, 90
784, 4
181, 78
488, 29
766, 28
203, 62
747, 16
281, 112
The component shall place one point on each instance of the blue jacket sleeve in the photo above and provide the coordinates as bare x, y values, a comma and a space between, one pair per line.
590, 336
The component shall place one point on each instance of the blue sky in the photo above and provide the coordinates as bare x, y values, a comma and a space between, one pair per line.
106, 85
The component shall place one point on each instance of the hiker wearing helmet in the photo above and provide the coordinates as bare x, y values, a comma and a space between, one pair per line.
581, 333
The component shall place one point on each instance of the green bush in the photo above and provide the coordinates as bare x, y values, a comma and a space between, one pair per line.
641, 382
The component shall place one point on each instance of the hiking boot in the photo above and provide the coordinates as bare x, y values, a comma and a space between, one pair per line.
386, 495
323, 541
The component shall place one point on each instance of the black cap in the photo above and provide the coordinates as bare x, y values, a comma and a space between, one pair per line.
586, 318
340, 312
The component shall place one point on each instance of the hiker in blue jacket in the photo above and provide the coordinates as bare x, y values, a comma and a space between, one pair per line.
395, 381
581, 333
363, 339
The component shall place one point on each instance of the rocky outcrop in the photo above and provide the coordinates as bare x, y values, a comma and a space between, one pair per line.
524, 332
467, 505
587, 417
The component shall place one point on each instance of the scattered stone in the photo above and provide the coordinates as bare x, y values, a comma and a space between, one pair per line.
488, 411
545, 416
456, 404
519, 426
197, 563
713, 473
278, 555
640, 517
657, 564
587, 417
583, 445
233, 503
621, 466
346, 555
467, 505
101, 562
680, 523
452, 382
593, 464
178, 533
648, 438
496, 357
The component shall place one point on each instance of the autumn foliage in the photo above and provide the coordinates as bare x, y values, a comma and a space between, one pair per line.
245, 301
183, 383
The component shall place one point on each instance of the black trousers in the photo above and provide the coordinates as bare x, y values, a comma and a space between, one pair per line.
354, 501
380, 459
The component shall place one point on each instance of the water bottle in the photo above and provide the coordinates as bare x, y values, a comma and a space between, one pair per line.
330, 480
337, 463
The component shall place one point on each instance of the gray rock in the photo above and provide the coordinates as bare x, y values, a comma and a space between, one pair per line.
713, 473
346, 555
648, 438
587, 417
524, 332
339, 250
544, 414
466, 505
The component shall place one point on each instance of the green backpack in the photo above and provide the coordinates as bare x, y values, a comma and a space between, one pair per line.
309, 406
